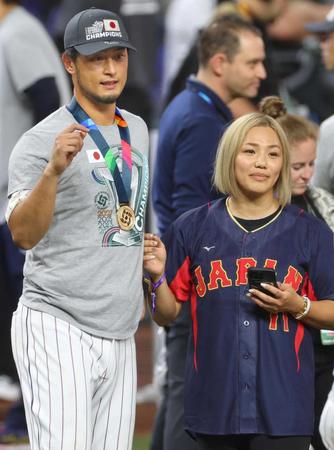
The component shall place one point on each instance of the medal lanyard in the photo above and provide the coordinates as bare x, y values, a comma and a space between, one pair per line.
122, 182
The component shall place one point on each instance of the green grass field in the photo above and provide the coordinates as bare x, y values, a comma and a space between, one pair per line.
141, 442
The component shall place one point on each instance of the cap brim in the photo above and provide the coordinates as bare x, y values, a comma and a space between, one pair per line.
320, 27
95, 47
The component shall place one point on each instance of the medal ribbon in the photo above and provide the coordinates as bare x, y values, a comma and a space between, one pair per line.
122, 182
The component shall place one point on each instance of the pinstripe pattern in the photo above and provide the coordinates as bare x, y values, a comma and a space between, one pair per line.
85, 377
62, 393
78, 390
35, 364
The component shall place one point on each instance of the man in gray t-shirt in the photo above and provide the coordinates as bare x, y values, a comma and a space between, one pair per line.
78, 185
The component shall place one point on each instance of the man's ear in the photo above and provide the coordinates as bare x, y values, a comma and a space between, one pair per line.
217, 62
68, 63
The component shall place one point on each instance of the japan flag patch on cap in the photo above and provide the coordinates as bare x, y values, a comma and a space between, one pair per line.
94, 156
111, 25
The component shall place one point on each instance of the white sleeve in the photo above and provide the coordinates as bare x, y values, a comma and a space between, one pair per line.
14, 200
324, 165
326, 426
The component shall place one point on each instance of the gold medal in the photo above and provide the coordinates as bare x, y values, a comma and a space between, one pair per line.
126, 217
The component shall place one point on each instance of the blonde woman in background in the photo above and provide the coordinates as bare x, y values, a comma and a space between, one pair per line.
302, 135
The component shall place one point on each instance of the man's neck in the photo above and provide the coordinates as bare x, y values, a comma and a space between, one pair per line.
214, 84
100, 114
6, 9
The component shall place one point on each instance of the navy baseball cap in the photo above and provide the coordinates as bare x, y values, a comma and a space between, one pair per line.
327, 26
93, 30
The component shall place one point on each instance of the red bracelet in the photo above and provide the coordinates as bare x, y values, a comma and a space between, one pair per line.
154, 288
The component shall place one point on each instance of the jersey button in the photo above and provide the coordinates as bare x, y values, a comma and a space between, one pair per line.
246, 323
246, 356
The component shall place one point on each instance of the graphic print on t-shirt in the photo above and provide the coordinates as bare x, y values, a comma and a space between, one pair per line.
106, 200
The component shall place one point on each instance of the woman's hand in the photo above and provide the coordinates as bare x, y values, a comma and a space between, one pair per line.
279, 299
154, 256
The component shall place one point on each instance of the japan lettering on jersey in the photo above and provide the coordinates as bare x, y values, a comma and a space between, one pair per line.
238, 352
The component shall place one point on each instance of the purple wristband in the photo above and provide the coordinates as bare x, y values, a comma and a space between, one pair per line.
154, 288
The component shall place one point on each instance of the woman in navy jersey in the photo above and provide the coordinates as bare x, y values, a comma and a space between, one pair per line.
249, 365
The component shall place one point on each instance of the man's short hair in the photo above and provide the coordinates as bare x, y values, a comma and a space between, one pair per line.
223, 35
14, 2
72, 53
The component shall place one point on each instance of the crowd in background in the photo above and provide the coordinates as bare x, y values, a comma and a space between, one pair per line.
165, 42
166, 33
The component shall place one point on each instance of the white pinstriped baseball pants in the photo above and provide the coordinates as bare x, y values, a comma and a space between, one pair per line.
79, 391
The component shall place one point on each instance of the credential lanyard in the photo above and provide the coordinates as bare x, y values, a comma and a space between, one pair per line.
122, 182
205, 97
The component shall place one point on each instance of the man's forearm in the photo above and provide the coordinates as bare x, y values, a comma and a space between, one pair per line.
31, 218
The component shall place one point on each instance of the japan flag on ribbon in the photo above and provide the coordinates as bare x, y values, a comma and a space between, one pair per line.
111, 25
94, 156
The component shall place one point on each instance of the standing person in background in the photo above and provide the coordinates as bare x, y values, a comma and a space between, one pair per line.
33, 84
324, 168
260, 13
231, 55
302, 135
178, 39
249, 363
78, 185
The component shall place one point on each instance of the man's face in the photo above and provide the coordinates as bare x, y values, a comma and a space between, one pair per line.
244, 73
327, 49
101, 77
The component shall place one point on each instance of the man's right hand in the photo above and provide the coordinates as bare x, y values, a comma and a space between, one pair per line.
67, 145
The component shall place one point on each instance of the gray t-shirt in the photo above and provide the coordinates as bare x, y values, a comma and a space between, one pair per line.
85, 270
27, 54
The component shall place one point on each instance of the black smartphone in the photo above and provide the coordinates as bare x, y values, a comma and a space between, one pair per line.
257, 275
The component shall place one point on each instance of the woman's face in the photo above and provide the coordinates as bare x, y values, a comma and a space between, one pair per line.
302, 159
259, 162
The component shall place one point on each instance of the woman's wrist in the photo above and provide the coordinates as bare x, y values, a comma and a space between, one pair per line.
154, 286
157, 282
156, 277
304, 310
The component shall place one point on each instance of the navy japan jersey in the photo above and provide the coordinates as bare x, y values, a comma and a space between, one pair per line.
247, 371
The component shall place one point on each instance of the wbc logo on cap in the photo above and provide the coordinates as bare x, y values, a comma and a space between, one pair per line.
103, 29
111, 25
